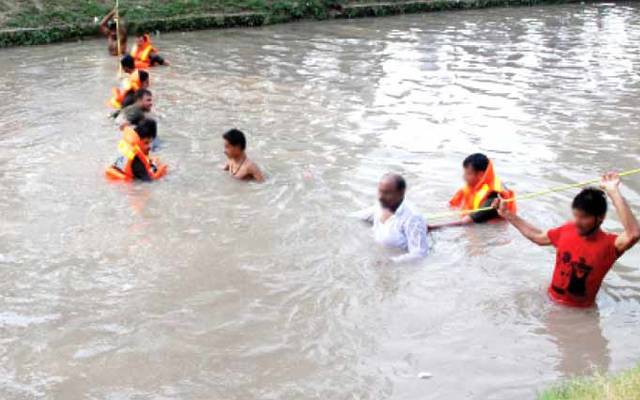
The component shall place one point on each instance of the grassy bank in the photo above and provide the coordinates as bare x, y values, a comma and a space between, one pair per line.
25, 22
37, 13
625, 386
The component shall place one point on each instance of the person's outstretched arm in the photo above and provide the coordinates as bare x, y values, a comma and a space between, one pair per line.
105, 21
466, 220
365, 215
527, 230
610, 183
476, 217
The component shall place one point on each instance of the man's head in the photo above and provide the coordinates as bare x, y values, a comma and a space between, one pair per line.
589, 210
234, 143
147, 131
474, 168
128, 64
112, 26
144, 98
391, 191
142, 38
144, 79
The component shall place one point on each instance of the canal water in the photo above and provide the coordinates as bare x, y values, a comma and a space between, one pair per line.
199, 287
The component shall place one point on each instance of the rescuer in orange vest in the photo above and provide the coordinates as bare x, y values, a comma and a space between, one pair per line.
134, 162
135, 80
482, 187
144, 54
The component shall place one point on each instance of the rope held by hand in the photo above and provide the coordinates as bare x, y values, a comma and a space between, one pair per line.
528, 196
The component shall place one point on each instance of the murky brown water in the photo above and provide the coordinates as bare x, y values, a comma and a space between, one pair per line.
198, 287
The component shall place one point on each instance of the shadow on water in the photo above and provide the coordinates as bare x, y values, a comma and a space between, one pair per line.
580, 341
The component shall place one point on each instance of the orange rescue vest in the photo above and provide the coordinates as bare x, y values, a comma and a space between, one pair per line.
129, 84
129, 149
142, 54
469, 198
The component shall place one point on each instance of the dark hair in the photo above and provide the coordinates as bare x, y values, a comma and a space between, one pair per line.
143, 75
129, 99
235, 138
591, 201
478, 161
111, 25
147, 128
141, 93
128, 62
400, 182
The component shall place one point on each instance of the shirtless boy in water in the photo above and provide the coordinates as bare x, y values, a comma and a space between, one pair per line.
109, 28
238, 164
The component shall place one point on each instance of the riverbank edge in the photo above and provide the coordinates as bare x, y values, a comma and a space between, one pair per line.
622, 386
53, 34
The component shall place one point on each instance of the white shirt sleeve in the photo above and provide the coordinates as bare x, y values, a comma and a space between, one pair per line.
415, 230
364, 215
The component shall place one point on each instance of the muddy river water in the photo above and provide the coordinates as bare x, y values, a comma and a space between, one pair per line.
199, 287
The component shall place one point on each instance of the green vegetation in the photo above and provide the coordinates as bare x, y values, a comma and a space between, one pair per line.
37, 13
625, 386
45, 21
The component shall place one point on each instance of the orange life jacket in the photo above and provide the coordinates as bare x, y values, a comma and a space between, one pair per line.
129, 84
129, 147
469, 198
142, 54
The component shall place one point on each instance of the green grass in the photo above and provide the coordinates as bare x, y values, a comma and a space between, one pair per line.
48, 21
37, 13
624, 386
28, 22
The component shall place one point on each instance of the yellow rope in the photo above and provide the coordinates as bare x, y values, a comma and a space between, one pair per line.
528, 196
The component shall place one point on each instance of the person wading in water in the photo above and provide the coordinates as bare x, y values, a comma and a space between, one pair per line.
482, 187
109, 28
395, 223
584, 252
238, 164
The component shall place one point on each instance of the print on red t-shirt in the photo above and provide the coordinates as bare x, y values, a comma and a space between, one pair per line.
581, 264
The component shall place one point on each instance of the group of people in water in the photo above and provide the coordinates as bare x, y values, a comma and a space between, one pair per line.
132, 102
584, 252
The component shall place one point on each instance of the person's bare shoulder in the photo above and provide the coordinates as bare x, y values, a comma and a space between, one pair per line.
253, 171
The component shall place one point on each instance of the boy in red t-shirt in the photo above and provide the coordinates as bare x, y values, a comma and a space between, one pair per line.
584, 252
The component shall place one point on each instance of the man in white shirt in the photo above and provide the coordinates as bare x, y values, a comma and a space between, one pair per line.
395, 224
